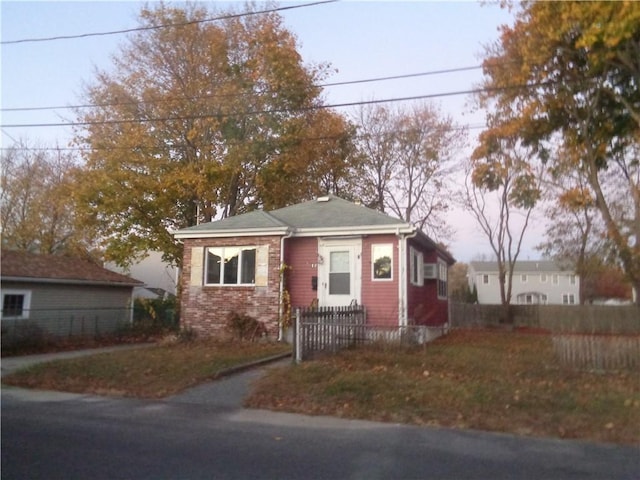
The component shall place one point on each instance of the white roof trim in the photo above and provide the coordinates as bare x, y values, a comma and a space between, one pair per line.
242, 232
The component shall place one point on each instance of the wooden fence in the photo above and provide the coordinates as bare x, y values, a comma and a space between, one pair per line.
597, 352
554, 318
328, 330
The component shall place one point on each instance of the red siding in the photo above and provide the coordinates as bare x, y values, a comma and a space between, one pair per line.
380, 297
205, 308
301, 255
423, 305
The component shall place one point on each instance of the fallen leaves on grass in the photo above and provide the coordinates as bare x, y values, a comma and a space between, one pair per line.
153, 372
500, 381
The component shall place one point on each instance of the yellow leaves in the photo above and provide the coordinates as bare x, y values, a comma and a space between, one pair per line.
576, 198
489, 175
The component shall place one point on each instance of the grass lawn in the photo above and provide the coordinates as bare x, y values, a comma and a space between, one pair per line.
152, 372
487, 380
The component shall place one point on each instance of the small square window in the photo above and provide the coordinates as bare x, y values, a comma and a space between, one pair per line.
485, 279
16, 304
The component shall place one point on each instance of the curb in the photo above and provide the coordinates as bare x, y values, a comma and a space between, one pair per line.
249, 365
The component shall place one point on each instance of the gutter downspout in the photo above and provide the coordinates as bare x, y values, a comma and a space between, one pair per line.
289, 234
403, 281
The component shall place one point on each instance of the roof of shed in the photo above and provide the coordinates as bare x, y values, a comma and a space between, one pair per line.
20, 265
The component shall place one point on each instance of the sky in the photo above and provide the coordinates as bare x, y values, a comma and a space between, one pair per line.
359, 39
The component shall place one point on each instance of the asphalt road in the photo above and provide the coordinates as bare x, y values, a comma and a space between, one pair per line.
204, 433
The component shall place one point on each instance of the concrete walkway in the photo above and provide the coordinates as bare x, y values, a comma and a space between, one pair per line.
11, 364
226, 392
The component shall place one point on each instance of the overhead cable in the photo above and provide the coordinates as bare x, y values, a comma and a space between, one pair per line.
156, 27
274, 111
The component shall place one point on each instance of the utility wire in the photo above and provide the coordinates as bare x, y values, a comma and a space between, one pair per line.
275, 111
167, 100
156, 27
182, 145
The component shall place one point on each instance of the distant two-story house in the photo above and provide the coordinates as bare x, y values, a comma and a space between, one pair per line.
540, 282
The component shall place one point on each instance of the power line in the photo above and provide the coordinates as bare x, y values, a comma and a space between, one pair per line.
167, 100
179, 146
156, 27
270, 112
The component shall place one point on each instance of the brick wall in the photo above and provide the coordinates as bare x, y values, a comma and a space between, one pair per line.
205, 308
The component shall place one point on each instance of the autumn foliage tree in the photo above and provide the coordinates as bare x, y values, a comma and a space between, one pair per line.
35, 212
564, 80
406, 156
199, 120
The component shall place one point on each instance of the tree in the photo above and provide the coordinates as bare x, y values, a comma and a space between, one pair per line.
501, 190
564, 80
575, 235
199, 121
406, 155
459, 290
34, 210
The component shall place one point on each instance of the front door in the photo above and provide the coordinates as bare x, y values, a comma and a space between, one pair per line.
339, 272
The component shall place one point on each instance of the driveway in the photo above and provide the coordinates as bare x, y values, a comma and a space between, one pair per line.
205, 433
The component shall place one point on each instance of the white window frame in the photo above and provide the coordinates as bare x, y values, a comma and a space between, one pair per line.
483, 277
217, 251
555, 279
568, 299
416, 267
523, 278
543, 278
373, 261
26, 304
572, 279
443, 281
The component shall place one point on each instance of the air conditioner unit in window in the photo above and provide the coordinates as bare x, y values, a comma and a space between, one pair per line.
430, 271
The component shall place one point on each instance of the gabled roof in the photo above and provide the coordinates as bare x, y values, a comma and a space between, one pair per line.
333, 212
328, 214
256, 220
524, 266
324, 216
24, 266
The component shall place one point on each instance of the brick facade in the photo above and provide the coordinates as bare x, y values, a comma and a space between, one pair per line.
205, 308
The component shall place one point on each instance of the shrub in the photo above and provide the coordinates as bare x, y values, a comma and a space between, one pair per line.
24, 338
156, 313
245, 327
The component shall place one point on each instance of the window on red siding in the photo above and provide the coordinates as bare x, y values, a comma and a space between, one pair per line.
381, 256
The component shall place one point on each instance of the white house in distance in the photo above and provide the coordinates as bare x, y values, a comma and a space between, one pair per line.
160, 279
534, 282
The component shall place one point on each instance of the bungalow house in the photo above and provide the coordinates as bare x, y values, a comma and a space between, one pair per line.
325, 252
540, 282
62, 295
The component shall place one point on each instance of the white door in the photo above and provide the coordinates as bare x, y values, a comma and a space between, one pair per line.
339, 274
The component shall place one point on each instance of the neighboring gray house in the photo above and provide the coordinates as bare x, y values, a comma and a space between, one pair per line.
534, 282
62, 295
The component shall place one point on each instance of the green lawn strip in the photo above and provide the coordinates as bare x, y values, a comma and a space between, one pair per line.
153, 372
504, 382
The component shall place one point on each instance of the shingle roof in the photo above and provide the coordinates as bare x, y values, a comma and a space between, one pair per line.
521, 266
332, 212
257, 219
315, 217
25, 265
328, 212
